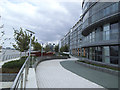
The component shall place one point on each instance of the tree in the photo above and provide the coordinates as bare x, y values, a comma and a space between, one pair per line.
57, 48
47, 48
64, 48
22, 39
36, 46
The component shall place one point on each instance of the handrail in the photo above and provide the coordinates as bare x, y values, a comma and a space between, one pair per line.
16, 81
20, 81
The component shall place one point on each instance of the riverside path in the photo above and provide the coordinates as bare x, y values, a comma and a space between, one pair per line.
51, 74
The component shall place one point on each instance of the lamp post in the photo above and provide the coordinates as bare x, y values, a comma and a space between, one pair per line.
30, 45
42, 50
53, 47
31, 33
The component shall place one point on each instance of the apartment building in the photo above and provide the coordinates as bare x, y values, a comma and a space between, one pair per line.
96, 36
75, 38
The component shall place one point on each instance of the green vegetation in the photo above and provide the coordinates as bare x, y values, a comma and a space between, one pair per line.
64, 48
57, 48
13, 66
36, 46
22, 39
47, 48
104, 66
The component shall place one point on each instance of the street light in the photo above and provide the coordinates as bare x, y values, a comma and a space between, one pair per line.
30, 40
42, 50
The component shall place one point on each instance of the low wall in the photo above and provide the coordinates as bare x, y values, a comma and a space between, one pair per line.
106, 70
99, 63
41, 59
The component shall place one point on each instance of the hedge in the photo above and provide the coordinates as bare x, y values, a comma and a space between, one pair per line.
13, 66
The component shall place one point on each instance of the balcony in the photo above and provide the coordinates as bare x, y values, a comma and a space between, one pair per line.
101, 39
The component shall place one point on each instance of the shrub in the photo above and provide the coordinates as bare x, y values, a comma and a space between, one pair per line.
13, 66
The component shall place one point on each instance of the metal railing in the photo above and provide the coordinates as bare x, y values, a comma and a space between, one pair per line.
21, 78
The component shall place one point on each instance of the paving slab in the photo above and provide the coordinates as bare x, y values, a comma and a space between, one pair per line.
31, 83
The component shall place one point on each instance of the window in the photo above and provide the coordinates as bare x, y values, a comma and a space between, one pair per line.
114, 51
106, 32
106, 54
114, 54
106, 11
115, 7
114, 31
98, 54
90, 53
93, 53
98, 34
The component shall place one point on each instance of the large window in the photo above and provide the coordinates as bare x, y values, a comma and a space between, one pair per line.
106, 32
93, 36
90, 53
93, 53
114, 31
98, 54
106, 54
98, 34
114, 54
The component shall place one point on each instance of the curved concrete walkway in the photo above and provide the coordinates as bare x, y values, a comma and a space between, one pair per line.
50, 74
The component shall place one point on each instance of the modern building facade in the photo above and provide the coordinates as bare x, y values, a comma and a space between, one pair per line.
97, 37
101, 31
66, 40
75, 38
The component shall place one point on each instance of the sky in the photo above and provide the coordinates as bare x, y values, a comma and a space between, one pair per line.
49, 19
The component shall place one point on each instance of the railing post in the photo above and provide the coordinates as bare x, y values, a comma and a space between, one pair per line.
25, 75
32, 61
21, 81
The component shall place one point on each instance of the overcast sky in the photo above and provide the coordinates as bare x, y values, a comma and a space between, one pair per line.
49, 19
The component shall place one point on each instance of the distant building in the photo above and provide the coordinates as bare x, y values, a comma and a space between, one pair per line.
66, 40
75, 38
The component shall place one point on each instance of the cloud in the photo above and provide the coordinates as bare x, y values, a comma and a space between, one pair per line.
49, 19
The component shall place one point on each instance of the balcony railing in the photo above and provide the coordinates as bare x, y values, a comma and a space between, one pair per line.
100, 37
